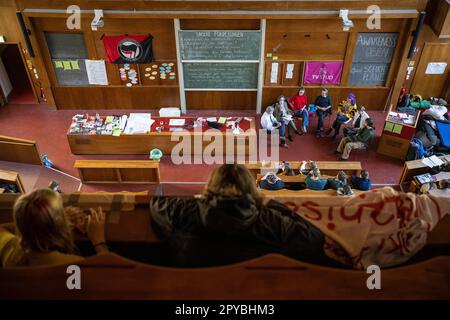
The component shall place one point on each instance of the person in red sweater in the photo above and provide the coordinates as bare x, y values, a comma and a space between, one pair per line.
299, 105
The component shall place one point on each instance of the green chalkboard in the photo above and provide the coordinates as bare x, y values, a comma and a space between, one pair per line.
372, 58
220, 45
210, 75
70, 72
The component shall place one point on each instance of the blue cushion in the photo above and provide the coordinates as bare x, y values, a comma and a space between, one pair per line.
444, 133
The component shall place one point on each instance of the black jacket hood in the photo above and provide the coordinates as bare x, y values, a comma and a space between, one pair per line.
234, 215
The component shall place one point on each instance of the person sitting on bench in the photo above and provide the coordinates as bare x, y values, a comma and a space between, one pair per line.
271, 182
46, 237
323, 105
232, 222
338, 182
282, 113
299, 105
269, 123
358, 121
346, 111
314, 181
358, 141
362, 182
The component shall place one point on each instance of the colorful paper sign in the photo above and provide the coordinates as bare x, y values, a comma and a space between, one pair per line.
317, 72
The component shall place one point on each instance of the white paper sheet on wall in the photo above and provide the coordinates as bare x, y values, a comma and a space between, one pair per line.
290, 71
274, 73
96, 72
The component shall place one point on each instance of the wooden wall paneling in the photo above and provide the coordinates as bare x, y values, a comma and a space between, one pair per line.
236, 100
348, 60
221, 5
432, 85
439, 17
397, 56
219, 24
402, 65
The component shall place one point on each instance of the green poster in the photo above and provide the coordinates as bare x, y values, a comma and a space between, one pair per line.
389, 126
397, 129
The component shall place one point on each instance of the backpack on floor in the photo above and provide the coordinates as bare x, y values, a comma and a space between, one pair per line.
417, 150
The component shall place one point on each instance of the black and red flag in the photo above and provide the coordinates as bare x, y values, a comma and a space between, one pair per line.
128, 49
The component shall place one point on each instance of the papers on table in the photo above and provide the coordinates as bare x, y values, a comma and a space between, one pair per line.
123, 122
177, 122
139, 123
432, 161
169, 112
222, 120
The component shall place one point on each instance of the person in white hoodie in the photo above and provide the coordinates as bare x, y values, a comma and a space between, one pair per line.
269, 123
358, 121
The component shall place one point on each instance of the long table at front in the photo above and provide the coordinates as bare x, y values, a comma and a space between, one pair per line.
142, 143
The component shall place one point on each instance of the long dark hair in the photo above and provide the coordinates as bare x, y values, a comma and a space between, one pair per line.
232, 180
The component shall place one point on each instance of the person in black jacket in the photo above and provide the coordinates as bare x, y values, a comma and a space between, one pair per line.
231, 222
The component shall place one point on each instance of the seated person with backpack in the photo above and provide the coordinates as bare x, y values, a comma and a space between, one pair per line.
358, 141
314, 181
362, 182
271, 182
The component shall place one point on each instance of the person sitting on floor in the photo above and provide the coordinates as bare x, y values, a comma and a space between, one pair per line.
346, 111
269, 123
231, 222
338, 182
42, 234
358, 141
271, 182
299, 105
282, 113
346, 190
362, 182
314, 181
323, 106
358, 121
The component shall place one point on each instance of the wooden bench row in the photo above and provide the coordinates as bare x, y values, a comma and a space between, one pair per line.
110, 276
330, 168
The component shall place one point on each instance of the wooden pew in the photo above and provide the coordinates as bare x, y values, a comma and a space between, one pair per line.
273, 276
330, 168
110, 276
19, 150
118, 171
416, 167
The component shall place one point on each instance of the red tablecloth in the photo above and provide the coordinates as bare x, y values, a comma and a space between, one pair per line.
243, 124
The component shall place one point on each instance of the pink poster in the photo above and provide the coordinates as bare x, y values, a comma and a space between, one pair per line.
323, 72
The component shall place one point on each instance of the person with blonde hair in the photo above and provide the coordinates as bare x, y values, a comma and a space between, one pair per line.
42, 232
231, 222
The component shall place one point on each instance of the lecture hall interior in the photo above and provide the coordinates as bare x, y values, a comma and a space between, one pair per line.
224, 150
